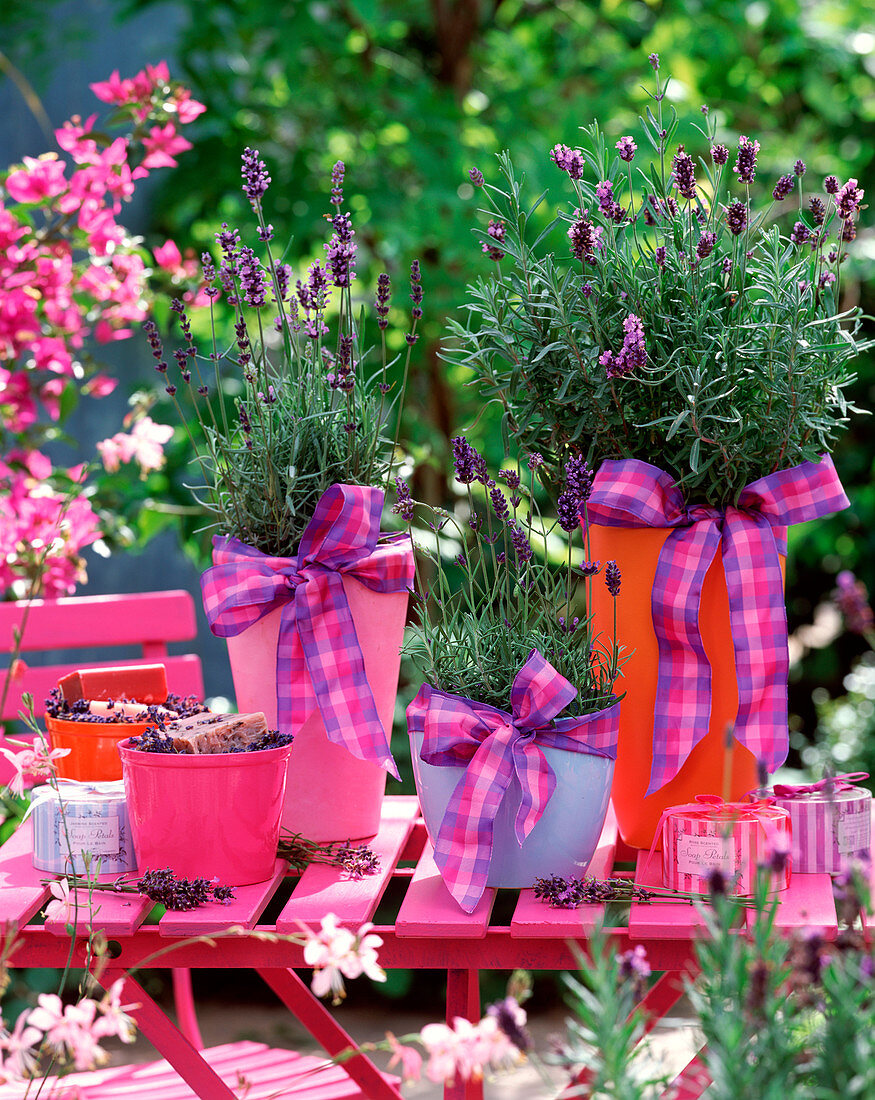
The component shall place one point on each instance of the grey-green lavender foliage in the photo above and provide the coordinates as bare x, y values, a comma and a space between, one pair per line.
676, 321
782, 1017
490, 590
304, 413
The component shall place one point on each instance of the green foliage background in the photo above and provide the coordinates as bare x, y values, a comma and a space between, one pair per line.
411, 93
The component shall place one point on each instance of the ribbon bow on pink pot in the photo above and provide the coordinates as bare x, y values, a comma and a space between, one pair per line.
492, 748
751, 536
318, 657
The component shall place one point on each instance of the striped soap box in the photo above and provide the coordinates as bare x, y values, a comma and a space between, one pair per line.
81, 818
831, 822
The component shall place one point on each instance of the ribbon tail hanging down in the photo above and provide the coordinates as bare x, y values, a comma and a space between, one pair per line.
682, 710
337, 673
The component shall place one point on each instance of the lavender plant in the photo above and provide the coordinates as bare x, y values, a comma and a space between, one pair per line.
306, 413
497, 590
680, 321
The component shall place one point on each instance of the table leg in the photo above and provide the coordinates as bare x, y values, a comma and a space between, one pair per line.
327, 1032
169, 1041
463, 999
691, 1082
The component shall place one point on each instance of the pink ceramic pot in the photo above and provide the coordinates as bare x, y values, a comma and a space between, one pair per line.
330, 794
211, 816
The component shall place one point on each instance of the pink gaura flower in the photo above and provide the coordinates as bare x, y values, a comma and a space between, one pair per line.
144, 444
162, 143
72, 1032
63, 906
20, 1048
41, 178
36, 761
336, 953
114, 1018
408, 1059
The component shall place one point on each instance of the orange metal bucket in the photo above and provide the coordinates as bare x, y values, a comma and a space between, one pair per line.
636, 551
93, 747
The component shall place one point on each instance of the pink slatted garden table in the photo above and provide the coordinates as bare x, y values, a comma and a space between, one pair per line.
421, 926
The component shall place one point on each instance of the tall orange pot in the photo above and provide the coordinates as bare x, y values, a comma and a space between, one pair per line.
636, 551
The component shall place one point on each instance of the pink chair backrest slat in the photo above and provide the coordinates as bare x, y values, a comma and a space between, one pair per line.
144, 620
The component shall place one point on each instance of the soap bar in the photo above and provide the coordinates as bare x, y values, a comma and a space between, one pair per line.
130, 710
82, 817
215, 733
144, 683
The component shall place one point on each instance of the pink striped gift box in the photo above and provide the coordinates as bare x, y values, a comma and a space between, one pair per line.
733, 837
831, 822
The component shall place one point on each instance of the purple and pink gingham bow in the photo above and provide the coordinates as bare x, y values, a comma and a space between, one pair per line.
492, 747
835, 783
318, 658
751, 535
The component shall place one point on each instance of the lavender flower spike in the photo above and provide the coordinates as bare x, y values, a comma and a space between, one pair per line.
848, 199
568, 510
626, 148
475, 176
782, 188
612, 578
746, 162
255, 177
684, 173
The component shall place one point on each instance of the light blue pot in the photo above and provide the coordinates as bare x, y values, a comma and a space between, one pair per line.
563, 841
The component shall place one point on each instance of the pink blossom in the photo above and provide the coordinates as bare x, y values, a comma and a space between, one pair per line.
20, 1046
168, 256
36, 761
114, 1018
441, 1043
335, 953
114, 90
143, 444
71, 1031
73, 139
408, 1059
187, 109
101, 385
62, 907
466, 1049
41, 178
161, 145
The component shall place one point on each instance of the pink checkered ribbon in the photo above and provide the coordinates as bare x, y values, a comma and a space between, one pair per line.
492, 747
751, 536
318, 658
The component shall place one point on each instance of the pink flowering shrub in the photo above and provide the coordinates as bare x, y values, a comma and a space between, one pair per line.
71, 277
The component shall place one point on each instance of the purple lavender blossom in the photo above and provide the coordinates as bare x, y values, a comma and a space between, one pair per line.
736, 218
849, 231
589, 568
497, 231
852, 600
469, 465
746, 161
800, 233
510, 478
726, 265
499, 503
799, 168
265, 233
719, 154
626, 148
587, 290
255, 177
337, 173
520, 543
848, 199
416, 290
579, 477
253, 279
705, 244
569, 160
475, 176
654, 61
568, 510
605, 194
826, 279
831, 185
659, 256
381, 302
612, 578
341, 250
586, 238
535, 460
404, 504
817, 209
782, 188
684, 172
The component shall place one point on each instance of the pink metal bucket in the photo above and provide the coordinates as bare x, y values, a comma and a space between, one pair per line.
330, 794
211, 816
